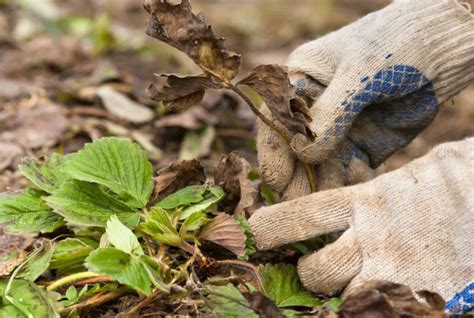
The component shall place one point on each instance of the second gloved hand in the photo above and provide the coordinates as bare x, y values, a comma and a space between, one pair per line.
385, 76
412, 226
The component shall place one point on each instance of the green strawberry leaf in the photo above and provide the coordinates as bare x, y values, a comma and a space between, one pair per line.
122, 237
116, 163
215, 195
48, 176
38, 262
28, 300
227, 302
26, 212
158, 225
84, 203
183, 197
193, 223
282, 285
70, 253
122, 267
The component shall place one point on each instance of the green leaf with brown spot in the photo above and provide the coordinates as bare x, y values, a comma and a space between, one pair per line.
122, 267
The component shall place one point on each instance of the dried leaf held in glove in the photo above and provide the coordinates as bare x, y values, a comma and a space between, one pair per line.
178, 26
180, 93
272, 83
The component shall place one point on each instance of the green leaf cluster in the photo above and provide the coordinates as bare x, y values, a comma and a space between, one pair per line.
96, 206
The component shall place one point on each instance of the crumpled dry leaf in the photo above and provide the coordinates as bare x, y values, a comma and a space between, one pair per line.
272, 83
194, 118
225, 231
178, 175
11, 89
123, 107
386, 299
39, 124
176, 25
179, 93
262, 305
9, 154
11, 259
241, 193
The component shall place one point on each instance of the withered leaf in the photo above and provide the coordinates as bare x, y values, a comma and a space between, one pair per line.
178, 175
231, 174
178, 26
9, 154
122, 106
42, 124
386, 299
272, 83
192, 119
179, 93
225, 231
10, 260
262, 305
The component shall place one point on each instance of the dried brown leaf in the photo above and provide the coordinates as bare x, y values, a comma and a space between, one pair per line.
178, 175
179, 93
272, 83
39, 124
241, 193
178, 26
123, 107
386, 299
9, 154
225, 231
262, 305
192, 119
10, 260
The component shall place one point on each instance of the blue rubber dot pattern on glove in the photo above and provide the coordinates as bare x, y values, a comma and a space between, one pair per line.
398, 101
462, 302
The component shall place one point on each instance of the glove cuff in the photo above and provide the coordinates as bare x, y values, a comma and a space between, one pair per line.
451, 46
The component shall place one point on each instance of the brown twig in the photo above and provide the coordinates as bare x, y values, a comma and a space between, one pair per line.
93, 280
135, 310
283, 134
96, 300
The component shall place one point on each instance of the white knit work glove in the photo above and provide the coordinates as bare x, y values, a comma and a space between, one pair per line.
385, 76
413, 226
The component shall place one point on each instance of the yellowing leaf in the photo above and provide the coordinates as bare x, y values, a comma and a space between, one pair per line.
122, 237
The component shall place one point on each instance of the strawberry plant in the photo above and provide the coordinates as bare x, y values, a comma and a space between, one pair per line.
104, 233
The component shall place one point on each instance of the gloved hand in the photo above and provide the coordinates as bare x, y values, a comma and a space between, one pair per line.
381, 81
413, 226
